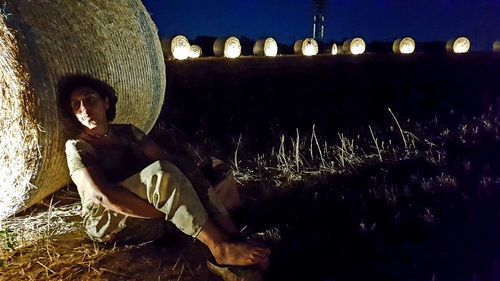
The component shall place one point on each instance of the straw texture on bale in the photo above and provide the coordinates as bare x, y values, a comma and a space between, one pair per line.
265, 47
176, 48
218, 47
307, 47
403, 46
297, 47
45, 40
166, 46
258, 48
458, 45
354, 46
195, 51
227, 47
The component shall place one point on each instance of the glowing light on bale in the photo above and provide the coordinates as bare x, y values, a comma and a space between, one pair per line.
335, 50
496, 47
227, 47
195, 51
44, 41
459, 46
232, 48
355, 46
176, 48
404, 46
268, 48
306, 47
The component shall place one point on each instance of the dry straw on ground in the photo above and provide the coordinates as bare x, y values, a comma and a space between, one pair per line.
49, 243
43, 41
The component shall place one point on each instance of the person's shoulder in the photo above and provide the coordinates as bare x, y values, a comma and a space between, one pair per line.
78, 145
79, 154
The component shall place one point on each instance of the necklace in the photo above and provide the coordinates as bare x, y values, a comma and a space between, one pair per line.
99, 136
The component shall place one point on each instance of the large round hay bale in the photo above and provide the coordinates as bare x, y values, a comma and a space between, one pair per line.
41, 42
176, 48
403, 45
354, 46
459, 45
306, 47
195, 52
265, 47
496, 46
227, 47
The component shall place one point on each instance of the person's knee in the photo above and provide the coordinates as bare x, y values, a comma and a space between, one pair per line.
172, 175
166, 167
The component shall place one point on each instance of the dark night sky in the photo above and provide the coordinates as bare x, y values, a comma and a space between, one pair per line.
290, 20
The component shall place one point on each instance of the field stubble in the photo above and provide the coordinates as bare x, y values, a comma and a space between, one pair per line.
407, 201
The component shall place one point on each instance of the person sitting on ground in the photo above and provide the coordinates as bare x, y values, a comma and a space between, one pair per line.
129, 185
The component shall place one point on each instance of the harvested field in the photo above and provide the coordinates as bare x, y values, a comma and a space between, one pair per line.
340, 190
363, 208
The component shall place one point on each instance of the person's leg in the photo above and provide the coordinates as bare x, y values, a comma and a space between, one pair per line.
221, 176
160, 183
226, 252
164, 186
215, 172
227, 192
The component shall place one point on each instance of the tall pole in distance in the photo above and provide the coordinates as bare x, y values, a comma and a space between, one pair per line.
319, 19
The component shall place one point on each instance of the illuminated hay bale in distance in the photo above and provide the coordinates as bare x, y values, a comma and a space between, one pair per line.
297, 47
354, 46
460, 45
195, 52
267, 47
44, 41
335, 50
404, 46
232, 48
176, 48
496, 47
180, 47
307, 47
227, 47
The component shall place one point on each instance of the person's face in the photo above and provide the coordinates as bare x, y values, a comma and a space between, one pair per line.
88, 107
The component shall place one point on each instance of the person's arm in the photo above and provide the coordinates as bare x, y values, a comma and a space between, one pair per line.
111, 196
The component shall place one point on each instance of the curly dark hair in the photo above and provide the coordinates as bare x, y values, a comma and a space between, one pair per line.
68, 84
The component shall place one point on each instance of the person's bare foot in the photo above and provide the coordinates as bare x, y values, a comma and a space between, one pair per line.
226, 252
240, 254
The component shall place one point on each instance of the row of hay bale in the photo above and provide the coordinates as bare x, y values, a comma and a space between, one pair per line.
179, 47
357, 46
42, 42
